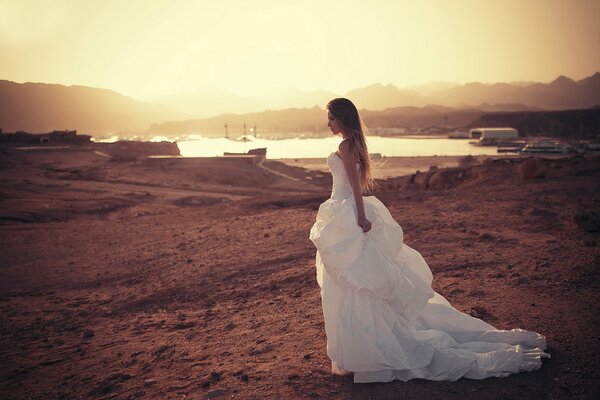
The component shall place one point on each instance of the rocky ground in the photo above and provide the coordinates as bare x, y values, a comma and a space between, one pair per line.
195, 279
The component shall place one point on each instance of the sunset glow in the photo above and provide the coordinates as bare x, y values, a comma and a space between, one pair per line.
154, 48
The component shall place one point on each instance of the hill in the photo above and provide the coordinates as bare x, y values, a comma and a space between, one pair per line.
560, 94
40, 107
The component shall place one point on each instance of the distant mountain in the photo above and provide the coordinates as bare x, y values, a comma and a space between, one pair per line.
40, 107
560, 94
502, 107
313, 121
563, 93
428, 119
452, 107
268, 123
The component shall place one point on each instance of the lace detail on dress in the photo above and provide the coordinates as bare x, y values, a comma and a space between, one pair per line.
341, 188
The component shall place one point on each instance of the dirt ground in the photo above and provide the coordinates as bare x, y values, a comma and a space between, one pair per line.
171, 278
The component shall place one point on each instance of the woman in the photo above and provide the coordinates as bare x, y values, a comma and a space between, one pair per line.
382, 318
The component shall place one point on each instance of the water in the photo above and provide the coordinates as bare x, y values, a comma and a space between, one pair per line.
322, 147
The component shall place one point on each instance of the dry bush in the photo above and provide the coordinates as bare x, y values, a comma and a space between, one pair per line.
444, 178
466, 161
531, 168
421, 179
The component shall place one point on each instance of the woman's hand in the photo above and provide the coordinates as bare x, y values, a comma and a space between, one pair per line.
365, 224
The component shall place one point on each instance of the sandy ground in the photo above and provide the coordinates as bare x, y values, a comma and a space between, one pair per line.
195, 279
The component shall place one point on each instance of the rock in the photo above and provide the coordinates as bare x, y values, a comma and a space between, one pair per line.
215, 393
110, 384
521, 280
120, 376
467, 161
191, 335
480, 312
486, 237
130, 362
150, 382
421, 179
229, 326
442, 178
161, 349
589, 221
540, 212
136, 395
205, 384
80, 350
531, 168
477, 293
88, 333
198, 201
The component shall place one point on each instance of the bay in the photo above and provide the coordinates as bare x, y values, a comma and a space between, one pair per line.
197, 146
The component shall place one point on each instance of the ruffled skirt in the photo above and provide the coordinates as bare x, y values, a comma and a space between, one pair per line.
384, 321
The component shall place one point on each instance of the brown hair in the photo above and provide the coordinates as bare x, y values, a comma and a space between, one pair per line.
346, 113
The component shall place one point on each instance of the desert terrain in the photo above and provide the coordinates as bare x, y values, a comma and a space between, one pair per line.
194, 278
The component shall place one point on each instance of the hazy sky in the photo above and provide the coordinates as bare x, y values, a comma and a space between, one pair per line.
142, 48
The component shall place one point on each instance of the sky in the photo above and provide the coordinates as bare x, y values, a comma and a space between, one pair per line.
145, 48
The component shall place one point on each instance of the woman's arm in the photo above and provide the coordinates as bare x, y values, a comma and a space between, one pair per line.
350, 167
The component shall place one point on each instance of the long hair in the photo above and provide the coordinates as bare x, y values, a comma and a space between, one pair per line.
346, 113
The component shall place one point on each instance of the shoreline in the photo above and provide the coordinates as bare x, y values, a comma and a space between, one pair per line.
389, 167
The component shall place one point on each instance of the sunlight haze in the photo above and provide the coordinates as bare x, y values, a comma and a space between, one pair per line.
157, 48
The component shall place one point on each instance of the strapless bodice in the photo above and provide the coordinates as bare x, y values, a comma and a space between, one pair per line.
341, 188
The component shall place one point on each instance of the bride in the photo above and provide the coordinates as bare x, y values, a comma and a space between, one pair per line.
382, 318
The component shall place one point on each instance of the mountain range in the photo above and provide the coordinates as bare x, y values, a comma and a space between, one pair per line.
562, 93
39, 107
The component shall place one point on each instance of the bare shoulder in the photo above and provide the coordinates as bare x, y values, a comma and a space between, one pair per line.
344, 148
345, 153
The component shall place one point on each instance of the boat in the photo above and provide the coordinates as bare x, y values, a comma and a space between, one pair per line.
509, 149
245, 138
510, 146
262, 151
545, 148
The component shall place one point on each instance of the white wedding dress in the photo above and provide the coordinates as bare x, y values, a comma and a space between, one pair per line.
382, 318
